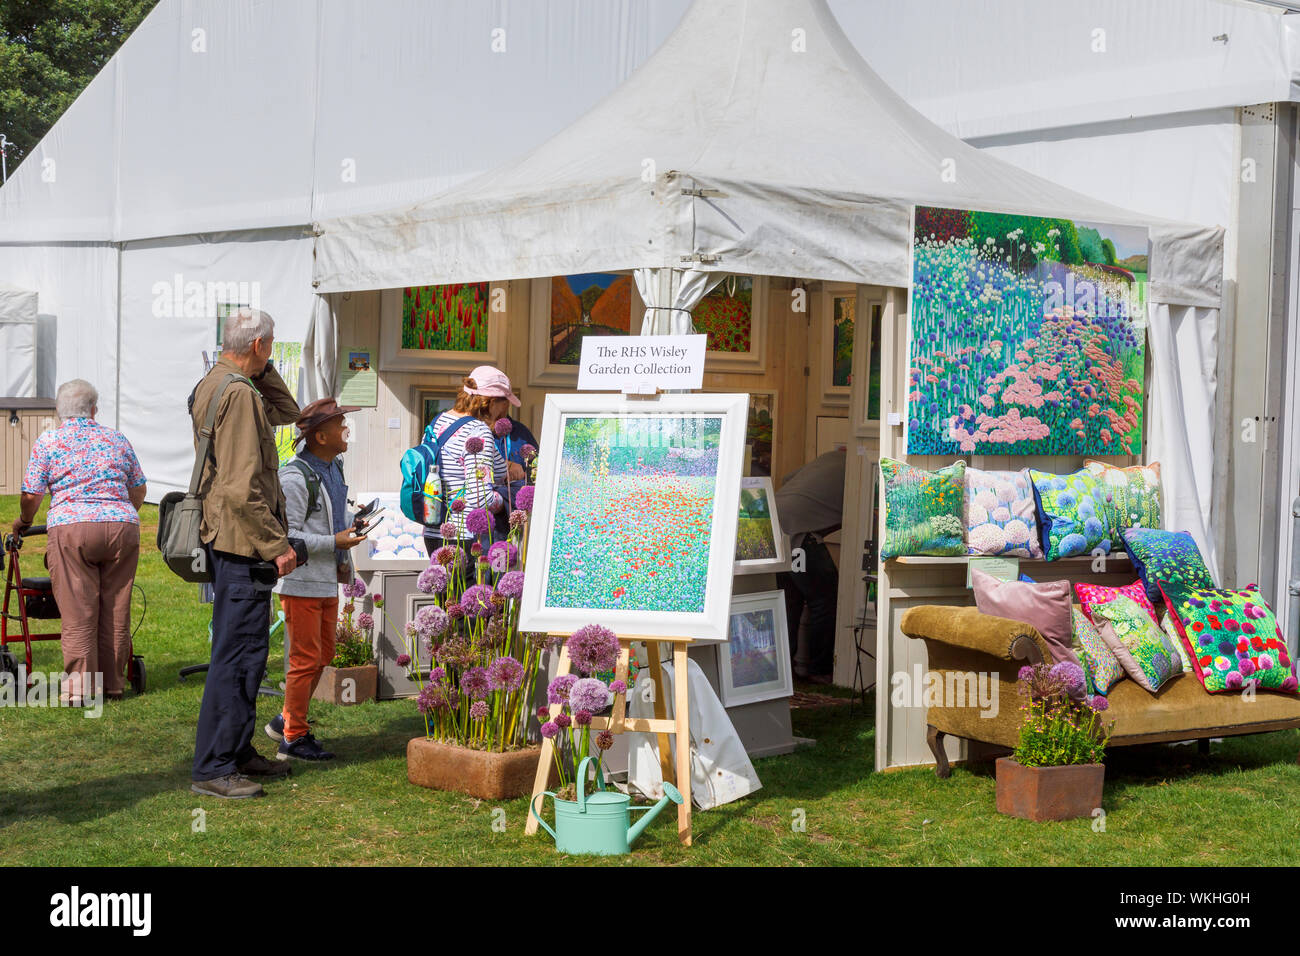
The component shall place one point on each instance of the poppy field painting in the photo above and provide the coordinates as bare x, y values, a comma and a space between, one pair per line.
726, 315
1027, 335
446, 318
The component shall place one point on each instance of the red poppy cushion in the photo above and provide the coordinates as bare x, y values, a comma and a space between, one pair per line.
1093, 594
1233, 638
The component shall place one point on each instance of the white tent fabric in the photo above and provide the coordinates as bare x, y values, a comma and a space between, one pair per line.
792, 158
17, 342
320, 353
670, 313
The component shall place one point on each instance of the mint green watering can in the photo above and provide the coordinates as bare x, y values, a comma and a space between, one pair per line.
599, 825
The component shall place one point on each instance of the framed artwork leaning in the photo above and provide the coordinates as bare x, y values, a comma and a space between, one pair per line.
629, 528
760, 545
442, 328
396, 543
754, 664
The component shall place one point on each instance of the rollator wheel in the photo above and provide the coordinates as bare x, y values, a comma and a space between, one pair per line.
136, 674
9, 663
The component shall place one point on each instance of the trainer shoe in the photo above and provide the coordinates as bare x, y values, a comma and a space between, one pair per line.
259, 766
304, 748
275, 729
233, 786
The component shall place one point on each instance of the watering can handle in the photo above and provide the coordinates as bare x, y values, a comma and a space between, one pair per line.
532, 808
580, 784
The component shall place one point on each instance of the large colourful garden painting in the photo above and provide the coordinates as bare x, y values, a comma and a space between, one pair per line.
1027, 335
594, 303
633, 514
446, 318
726, 315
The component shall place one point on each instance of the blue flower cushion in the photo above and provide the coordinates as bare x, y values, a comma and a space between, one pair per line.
1171, 557
1072, 516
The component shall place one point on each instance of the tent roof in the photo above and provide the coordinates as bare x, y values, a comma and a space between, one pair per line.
815, 161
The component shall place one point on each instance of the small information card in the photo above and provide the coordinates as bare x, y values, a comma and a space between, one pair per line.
1004, 569
641, 364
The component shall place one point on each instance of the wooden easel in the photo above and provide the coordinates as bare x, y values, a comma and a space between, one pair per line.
618, 722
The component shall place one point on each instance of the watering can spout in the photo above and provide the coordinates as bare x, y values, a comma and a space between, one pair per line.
670, 793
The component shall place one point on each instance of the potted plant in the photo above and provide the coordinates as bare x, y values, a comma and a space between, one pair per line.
1056, 772
352, 676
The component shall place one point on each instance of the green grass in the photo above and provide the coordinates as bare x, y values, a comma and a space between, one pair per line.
115, 791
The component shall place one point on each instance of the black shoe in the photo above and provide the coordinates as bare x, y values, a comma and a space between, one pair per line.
304, 748
275, 729
259, 766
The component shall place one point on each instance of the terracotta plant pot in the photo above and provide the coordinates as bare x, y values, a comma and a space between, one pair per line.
1049, 793
485, 774
347, 685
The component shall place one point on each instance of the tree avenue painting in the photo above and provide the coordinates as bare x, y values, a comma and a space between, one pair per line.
1027, 335
634, 512
446, 318
594, 303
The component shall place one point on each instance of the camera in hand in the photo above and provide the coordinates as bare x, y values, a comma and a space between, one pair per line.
267, 574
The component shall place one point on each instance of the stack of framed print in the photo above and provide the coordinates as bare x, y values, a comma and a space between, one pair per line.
760, 545
629, 528
754, 664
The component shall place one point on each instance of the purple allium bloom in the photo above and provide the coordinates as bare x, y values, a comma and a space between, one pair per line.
506, 673
447, 531
403, 660
475, 683
355, 589
557, 692
449, 556
604, 740
502, 427
618, 687
455, 611
511, 584
582, 718
1068, 673
437, 674
502, 556
478, 522
1025, 673
458, 505
517, 518
524, 498
563, 720
365, 621
476, 548
543, 713
377, 599
549, 729
588, 694
477, 601
1098, 703
432, 580
473, 444
430, 621
478, 710
593, 648
528, 452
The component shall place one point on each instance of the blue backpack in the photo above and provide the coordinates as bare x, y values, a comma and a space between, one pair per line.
422, 492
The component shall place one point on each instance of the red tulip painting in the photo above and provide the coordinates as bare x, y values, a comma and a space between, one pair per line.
446, 318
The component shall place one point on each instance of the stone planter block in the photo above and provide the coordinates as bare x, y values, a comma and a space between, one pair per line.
1049, 793
331, 687
487, 775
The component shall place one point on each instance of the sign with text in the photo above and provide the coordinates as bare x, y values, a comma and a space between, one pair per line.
641, 364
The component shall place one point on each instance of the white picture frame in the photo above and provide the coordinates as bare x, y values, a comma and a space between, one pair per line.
755, 360
833, 394
372, 554
547, 535
394, 358
780, 560
541, 370
772, 650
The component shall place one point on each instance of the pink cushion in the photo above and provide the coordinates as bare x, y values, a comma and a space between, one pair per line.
1091, 595
1046, 607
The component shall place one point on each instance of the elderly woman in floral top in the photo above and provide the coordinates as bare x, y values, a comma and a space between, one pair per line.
96, 487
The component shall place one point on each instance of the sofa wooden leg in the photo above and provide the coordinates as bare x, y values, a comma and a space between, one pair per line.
934, 737
1203, 746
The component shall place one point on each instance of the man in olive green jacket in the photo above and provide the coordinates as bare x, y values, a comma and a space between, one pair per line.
243, 527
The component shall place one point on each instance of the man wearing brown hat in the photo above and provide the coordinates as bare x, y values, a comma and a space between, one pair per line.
316, 506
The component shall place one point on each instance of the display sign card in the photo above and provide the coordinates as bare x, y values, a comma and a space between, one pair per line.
1004, 569
641, 364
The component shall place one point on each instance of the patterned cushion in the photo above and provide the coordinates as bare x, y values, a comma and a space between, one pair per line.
922, 509
1170, 625
1101, 668
1144, 651
1132, 496
999, 514
1233, 638
1093, 594
1045, 607
1071, 514
1169, 556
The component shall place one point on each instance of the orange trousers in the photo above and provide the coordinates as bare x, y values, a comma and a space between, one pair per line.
310, 624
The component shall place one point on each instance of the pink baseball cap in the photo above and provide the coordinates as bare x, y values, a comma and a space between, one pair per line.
493, 383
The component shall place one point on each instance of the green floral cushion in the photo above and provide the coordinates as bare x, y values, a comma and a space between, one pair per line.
1071, 514
1101, 670
1170, 558
1132, 496
923, 509
1170, 626
1143, 650
1234, 638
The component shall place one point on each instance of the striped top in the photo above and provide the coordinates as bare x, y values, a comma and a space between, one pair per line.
474, 474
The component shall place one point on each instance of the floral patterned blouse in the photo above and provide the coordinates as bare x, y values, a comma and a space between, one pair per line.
86, 469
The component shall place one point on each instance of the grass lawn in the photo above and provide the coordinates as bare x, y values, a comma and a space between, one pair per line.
115, 791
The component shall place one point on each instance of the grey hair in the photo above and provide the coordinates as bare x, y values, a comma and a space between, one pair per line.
242, 327
76, 398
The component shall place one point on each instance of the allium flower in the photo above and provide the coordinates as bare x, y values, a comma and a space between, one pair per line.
430, 621
604, 740
477, 601
437, 674
543, 713
557, 692
563, 721
1098, 703
502, 427
432, 580
593, 648
403, 660
618, 687
506, 673
528, 452
503, 555
447, 531
1025, 673
449, 556
458, 505
588, 694
473, 444
478, 710
524, 498
456, 652
511, 584
377, 599
1068, 673
550, 729
365, 621
355, 589
476, 548
478, 522
582, 718
517, 519
475, 683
